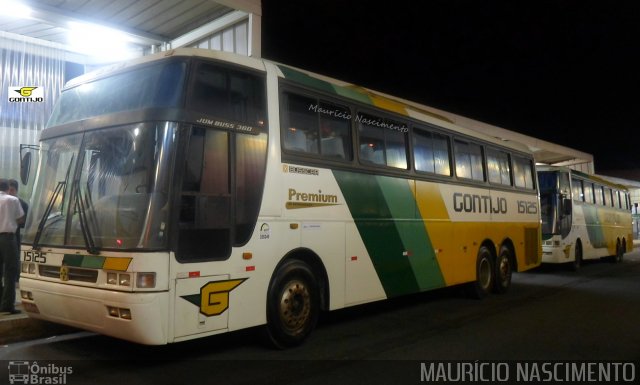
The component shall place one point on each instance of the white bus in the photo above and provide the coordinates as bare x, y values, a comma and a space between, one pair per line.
583, 217
194, 192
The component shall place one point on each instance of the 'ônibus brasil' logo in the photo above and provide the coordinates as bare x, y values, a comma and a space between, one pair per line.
214, 296
28, 94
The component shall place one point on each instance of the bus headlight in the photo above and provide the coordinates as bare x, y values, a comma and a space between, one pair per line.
124, 279
28, 267
120, 279
146, 280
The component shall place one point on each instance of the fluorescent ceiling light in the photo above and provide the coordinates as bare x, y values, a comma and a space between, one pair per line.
100, 42
14, 9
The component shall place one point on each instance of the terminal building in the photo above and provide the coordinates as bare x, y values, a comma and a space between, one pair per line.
48, 43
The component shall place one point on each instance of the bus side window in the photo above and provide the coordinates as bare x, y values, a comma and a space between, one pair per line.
588, 192
302, 132
431, 151
576, 184
498, 167
335, 132
317, 127
599, 194
607, 196
523, 172
468, 158
382, 141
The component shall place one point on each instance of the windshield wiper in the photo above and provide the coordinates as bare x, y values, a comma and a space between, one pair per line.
62, 185
45, 217
84, 223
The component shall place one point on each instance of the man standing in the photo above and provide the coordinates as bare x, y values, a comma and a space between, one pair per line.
13, 190
11, 215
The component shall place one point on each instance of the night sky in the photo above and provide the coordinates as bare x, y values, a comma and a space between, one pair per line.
567, 72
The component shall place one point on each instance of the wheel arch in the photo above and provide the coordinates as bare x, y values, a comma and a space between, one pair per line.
314, 261
491, 246
577, 244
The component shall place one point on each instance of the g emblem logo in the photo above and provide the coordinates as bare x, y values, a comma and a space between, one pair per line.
26, 91
64, 273
214, 296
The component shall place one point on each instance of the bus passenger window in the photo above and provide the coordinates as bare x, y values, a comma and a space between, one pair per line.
317, 127
335, 131
607, 196
431, 151
576, 184
599, 192
468, 160
301, 133
498, 167
588, 192
523, 172
382, 141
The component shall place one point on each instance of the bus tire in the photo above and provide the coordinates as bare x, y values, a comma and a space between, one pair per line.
503, 271
293, 304
485, 274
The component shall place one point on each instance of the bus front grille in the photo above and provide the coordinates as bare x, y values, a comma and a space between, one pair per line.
73, 274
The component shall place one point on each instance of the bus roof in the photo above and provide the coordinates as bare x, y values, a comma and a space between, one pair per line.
583, 175
386, 102
315, 81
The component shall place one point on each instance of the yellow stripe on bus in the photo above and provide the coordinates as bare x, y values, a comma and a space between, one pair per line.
119, 264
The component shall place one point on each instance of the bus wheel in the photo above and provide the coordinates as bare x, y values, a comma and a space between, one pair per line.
293, 304
483, 284
577, 261
503, 271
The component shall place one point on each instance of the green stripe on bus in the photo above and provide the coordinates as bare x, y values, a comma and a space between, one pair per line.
594, 229
353, 94
307, 80
322, 85
384, 211
87, 261
413, 233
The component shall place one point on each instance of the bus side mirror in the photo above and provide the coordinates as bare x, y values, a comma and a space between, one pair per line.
25, 167
25, 161
566, 206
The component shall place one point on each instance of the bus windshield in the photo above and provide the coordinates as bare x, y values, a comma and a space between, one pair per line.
548, 182
153, 86
555, 203
104, 189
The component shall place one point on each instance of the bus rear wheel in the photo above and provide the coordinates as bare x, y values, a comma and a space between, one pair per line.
503, 271
485, 274
293, 305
